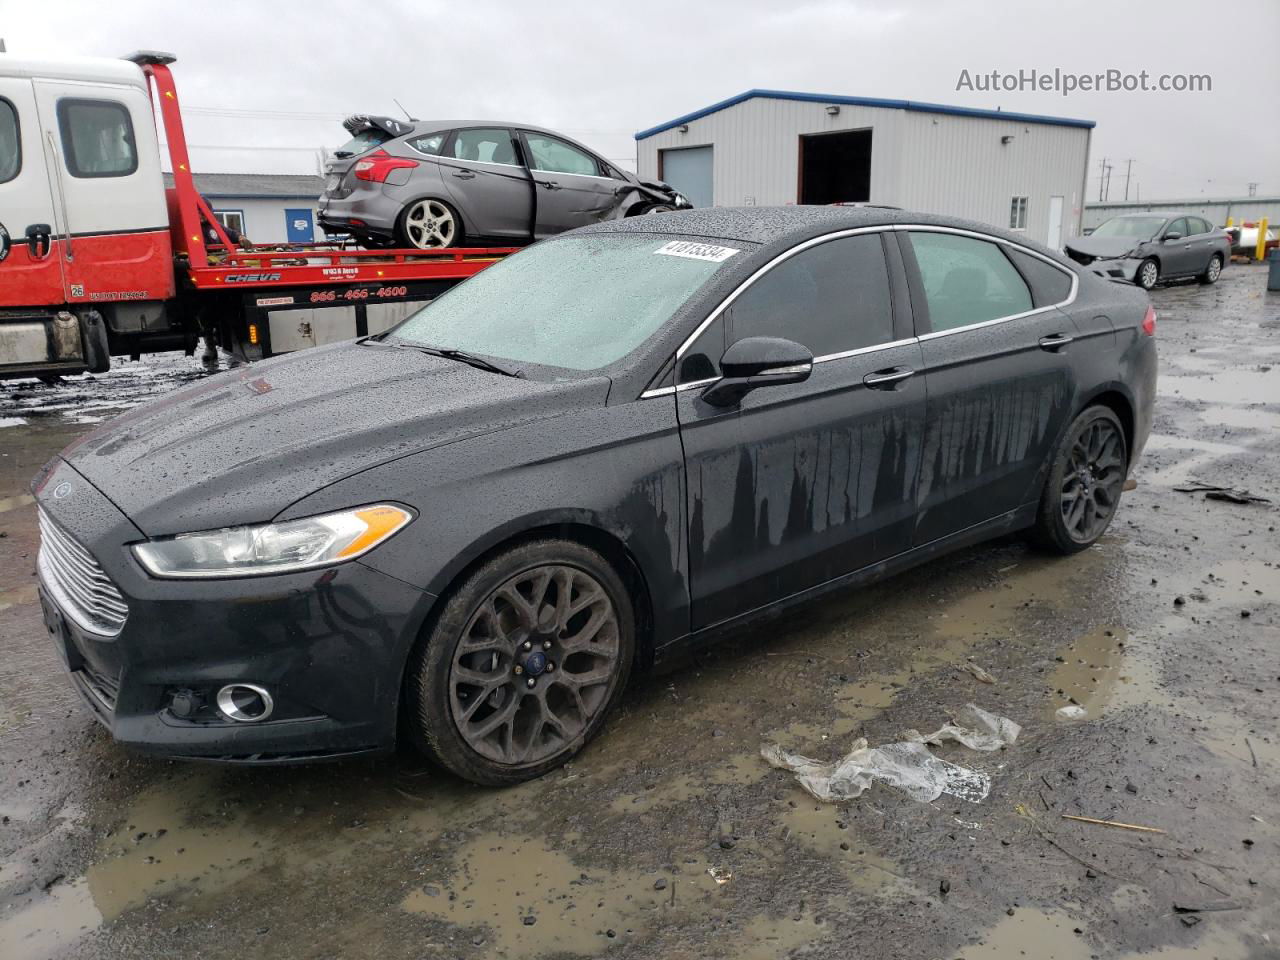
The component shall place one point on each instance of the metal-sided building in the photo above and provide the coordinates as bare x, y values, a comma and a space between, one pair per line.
766, 147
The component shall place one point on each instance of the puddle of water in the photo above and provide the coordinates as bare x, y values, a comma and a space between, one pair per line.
817, 827
1235, 387
767, 939
1201, 453
1032, 933
503, 881
1249, 418
1100, 671
50, 923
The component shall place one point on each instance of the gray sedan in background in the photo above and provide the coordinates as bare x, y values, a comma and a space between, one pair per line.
432, 185
1145, 248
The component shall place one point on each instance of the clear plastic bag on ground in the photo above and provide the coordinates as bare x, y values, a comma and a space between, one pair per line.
975, 728
907, 766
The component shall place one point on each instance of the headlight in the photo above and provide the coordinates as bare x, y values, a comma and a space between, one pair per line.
273, 547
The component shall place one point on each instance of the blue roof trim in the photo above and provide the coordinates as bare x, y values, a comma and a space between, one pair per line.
914, 105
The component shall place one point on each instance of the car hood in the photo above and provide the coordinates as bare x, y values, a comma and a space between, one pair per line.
1104, 246
242, 446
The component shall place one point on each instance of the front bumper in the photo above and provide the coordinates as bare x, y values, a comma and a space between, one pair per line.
330, 645
1118, 269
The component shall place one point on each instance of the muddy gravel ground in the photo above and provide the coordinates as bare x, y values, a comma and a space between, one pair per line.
1167, 633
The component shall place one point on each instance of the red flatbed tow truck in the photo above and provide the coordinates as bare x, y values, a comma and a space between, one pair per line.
99, 259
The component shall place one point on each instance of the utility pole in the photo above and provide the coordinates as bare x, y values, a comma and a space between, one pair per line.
1253, 185
1110, 167
1102, 176
1127, 170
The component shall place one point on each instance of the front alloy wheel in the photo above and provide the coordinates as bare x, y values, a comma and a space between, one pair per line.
1148, 274
429, 225
528, 657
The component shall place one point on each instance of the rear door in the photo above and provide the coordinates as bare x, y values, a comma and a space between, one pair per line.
803, 483
30, 267
573, 188
998, 371
488, 182
1178, 256
109, 202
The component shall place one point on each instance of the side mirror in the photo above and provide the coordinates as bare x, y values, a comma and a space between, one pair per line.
758, 362
1171, 236
1088, 231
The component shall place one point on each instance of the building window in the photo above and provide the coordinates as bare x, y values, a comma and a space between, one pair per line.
231, 220
1018, 214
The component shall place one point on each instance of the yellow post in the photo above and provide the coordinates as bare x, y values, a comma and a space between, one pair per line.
1230, 220
1261, 253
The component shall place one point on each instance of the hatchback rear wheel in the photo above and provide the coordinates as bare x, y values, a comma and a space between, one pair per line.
1085, 481
526, 660
429, 225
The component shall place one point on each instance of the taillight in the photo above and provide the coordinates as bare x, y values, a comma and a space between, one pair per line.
376, 167
1149, 322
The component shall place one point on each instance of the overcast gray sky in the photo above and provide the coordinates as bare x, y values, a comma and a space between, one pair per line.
600, 72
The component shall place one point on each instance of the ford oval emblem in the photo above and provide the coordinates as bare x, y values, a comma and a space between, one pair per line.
61, 490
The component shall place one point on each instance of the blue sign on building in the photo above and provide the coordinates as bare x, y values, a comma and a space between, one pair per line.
299, 225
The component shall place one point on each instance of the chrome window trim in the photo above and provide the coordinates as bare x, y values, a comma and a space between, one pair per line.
856, 231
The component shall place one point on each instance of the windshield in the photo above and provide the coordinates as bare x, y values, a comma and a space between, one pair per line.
1142, 228
362, 141
579, 303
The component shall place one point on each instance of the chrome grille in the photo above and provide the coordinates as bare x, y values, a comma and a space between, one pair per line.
82, 588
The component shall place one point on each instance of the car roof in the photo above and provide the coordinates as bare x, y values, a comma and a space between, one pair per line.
423, 127
765, 225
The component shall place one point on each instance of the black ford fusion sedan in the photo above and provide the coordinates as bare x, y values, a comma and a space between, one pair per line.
611, 446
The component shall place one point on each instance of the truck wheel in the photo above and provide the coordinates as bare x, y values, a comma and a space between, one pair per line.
1082, 492
526, 660
97, 351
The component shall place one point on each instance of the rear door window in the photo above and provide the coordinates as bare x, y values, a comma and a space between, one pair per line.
97, 138
1049, 284
430, 144
967, 281
10, 142
484, 145
551, 155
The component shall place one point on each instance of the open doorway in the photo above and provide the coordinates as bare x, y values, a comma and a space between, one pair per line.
835, 167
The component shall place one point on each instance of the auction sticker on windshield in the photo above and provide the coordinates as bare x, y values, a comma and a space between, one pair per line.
696, 251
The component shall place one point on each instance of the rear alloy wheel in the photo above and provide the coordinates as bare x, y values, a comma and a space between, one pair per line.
1213, 271
430, 225
1148, 274
527, 659
1085, 481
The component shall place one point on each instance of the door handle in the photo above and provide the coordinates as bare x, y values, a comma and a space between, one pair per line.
464, 174
1055, 342
549, 184
887, 379
38, 244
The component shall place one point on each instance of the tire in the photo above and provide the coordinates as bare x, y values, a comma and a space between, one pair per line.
1213, 270
1087, 475
421, 225
1148, 274
493, 661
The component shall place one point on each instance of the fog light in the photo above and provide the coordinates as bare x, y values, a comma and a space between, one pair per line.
244, 702
185, 703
